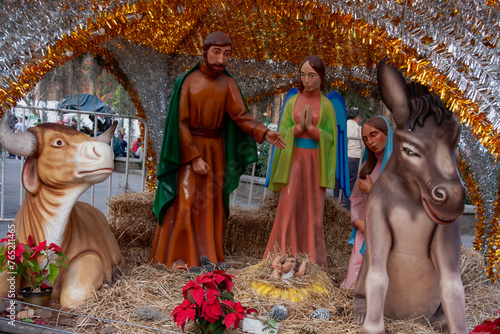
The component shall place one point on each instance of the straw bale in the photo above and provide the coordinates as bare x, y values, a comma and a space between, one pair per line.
471, 268
248, 230
131, 218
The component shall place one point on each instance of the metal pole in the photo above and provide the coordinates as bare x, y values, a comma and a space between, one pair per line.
251, 186
3, 186
127, 152
92, 189
268, 165
234, 197
144, 154
113, 149
21, 193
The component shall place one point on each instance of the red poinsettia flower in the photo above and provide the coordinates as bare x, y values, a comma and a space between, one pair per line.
222, 277
236, 316
195, 291
211, 308
492, 327
251, 311
55, 248
10, 236
37, 249
18, 253
183, 312
211, 312
31, 242
207, 280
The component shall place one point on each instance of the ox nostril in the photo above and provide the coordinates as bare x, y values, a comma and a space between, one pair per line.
439, 194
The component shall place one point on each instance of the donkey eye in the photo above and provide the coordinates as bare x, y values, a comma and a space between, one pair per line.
58, 143
410, 152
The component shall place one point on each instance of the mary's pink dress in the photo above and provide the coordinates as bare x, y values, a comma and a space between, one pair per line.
358, 201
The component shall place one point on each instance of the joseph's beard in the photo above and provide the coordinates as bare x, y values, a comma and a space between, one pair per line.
215, 68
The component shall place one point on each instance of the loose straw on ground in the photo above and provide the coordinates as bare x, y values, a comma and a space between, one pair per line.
145, 287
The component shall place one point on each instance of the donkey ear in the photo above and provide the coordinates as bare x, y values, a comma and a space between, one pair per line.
394, 93
31, 181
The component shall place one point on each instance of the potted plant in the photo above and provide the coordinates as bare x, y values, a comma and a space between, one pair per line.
38, 264
209, 302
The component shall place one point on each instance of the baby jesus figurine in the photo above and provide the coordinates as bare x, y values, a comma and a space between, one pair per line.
288, 268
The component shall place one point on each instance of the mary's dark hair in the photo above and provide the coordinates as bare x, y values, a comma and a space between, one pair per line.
318, 65
380, 124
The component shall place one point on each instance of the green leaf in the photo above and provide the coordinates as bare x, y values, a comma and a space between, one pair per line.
53, 272
62, 263
219, 330
31, 264
62, 255
227, 295
28, 320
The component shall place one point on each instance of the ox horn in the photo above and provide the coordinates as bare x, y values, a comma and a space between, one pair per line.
108, 134
22, 143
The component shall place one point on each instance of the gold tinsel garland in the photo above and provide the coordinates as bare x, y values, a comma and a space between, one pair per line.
279, 30
492, 267
477, 201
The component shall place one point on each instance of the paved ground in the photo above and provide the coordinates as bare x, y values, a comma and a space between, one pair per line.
116, 184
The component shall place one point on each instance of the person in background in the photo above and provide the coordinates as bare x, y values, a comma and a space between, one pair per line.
353, 149
123, 143
12, 124
136, 145
19, 127
117, 146
73, 124
100, 126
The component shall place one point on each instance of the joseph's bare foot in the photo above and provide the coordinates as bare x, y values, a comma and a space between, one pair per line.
359, 304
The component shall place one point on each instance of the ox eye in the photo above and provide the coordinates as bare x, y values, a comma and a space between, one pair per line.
58, 143
410, 152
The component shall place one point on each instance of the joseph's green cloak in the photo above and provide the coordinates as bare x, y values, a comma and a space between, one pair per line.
240, 150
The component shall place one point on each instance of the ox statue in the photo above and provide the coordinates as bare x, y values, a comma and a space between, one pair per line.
411, 267
62, 164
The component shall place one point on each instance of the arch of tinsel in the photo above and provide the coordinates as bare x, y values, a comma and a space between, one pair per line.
452, 47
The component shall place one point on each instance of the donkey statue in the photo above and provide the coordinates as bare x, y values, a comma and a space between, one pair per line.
411, 267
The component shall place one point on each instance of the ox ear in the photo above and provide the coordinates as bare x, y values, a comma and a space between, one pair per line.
108, 135
31, 181
393, 90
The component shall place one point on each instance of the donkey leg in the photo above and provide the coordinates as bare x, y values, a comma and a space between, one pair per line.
85, 274
359, 302
438, 320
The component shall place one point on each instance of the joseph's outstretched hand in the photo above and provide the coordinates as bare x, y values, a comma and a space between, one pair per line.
274, 138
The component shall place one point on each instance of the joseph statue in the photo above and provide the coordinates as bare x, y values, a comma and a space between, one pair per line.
209, 139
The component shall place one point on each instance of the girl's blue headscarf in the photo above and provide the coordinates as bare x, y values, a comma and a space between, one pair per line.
387, 153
